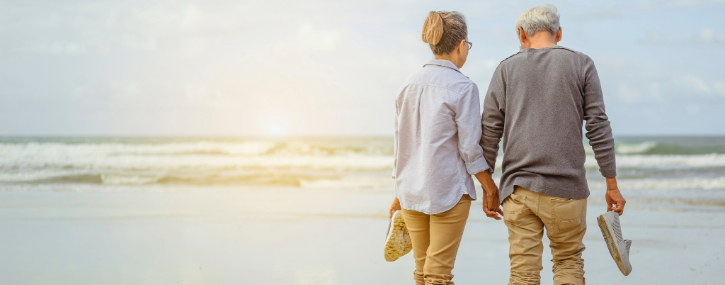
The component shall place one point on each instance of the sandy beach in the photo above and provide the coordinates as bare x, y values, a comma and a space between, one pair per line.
287, 235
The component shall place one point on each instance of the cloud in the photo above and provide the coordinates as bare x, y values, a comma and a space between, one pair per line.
308, 39
651, 4
706, 37
653, 114
641, 93
613, 62
655, 92
685, 3
312, 67
628, 95
692, 83
68, 48
719, 87
655, 38
597, 14
693, 109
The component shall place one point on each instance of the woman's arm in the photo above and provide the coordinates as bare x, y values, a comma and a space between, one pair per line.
394, 207
468, 116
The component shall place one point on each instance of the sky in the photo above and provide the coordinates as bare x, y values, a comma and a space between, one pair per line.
326, 68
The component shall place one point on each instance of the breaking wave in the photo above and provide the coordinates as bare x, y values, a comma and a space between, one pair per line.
363, 162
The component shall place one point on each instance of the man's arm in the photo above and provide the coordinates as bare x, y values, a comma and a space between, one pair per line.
599, 133
492, 122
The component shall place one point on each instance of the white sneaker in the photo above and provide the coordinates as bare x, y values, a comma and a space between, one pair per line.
618, 247
397, 242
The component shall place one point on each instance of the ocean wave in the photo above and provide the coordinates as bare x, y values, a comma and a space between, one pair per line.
129, 179
202, 147
137, 163
664, 161
665, 184
319, 163
628, 148
161, 179
161, 163
349, 182
240, 148
636, 148
661, 148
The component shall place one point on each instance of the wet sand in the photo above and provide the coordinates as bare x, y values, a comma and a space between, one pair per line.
309, 236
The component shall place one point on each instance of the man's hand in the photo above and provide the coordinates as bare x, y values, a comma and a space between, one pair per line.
615, 201
394, 207
490, 193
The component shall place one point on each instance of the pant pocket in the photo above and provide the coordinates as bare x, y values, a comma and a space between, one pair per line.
514, 209
568, 213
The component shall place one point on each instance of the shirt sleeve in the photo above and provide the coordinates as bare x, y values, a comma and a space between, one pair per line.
395, 140
492, 122
599, 131
468, 114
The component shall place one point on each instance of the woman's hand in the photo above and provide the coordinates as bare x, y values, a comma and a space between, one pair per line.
491, 205
394, 207
490, 192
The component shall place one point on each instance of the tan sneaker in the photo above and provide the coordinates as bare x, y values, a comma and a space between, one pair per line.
618, 246
397, 242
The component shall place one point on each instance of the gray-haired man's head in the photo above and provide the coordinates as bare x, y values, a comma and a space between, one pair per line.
537, 19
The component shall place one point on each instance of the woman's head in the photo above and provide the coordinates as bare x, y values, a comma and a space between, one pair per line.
447, 34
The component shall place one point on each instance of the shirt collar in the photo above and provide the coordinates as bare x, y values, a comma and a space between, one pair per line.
443, 63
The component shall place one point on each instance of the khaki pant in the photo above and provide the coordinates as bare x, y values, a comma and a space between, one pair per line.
526, 214
435, 241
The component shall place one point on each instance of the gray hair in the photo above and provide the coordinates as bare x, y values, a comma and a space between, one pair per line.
537, 19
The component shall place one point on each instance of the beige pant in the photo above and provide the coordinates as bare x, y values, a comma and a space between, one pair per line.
435, 241
526, 214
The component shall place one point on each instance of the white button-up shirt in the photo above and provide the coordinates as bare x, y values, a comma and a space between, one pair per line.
437, 134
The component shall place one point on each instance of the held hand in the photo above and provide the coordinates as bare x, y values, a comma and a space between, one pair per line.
491, 205
490, 193
394, 207
615, 201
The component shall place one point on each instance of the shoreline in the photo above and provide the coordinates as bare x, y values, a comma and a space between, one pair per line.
283, 236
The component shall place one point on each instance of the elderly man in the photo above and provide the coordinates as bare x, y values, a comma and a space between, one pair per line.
537, 101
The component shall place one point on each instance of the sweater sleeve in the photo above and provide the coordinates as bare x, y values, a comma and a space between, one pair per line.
599, 131
492, 121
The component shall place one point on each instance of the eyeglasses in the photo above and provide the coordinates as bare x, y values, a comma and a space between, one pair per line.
470, 44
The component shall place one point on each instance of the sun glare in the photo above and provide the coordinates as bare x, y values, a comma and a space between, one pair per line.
277, 126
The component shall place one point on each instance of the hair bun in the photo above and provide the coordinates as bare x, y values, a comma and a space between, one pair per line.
433, 28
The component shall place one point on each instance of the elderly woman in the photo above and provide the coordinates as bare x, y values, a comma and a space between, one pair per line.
437, 131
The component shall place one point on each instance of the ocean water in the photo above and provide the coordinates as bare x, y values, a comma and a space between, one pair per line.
670, 167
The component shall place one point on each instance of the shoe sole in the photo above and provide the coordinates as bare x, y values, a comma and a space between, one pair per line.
395, 243
614, 250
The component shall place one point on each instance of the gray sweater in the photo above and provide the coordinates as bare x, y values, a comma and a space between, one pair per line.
537, 101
